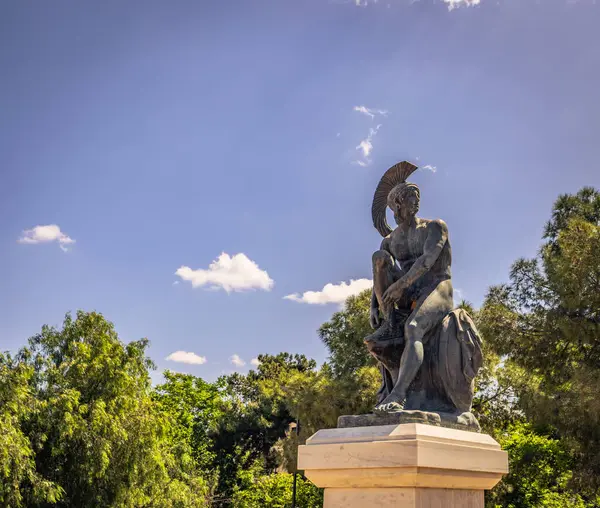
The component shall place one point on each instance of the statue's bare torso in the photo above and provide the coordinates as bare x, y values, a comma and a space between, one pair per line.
407, 246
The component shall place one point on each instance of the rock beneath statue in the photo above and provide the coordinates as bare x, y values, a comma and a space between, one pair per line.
463, 421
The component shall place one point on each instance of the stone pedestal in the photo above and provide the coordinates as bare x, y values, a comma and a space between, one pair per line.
402, 466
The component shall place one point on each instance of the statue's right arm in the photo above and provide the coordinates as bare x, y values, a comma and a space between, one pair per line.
374, 302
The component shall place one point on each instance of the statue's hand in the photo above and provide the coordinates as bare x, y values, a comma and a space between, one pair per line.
393, 293
374, 318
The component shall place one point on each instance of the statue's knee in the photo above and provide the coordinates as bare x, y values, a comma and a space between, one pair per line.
412, 332
381, 257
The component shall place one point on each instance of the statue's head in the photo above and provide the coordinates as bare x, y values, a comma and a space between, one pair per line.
404, 200
393, 191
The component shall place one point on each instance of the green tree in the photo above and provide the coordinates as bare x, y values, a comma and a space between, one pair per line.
584, 205
546, 321
343, 335
195, 408
318, 398
255, 431
20, 483
254, 420
94, 429
275, 491
540, 472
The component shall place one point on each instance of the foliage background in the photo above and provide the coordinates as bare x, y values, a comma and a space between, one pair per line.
82, 425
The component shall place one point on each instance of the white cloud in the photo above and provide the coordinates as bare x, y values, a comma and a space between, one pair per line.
332, 293
186, 357
237, 361
431, 168
231, 273
255, 362
453, 4
46, 234
370, 112
365, 147
364, 164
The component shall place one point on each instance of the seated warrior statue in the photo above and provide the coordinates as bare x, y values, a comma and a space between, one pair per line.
411, 278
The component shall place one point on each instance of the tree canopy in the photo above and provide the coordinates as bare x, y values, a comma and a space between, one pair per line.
546, 320
84, 430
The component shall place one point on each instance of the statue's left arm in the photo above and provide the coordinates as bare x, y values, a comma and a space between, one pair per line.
437, 236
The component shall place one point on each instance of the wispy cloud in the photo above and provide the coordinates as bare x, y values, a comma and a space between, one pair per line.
255, 362
46, 234
332, 293
429, 167
370, 111
237, 361
186, 357
230, 273
453, 4
365, 147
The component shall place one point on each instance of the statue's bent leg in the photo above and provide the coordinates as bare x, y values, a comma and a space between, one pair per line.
428, 313
385, 273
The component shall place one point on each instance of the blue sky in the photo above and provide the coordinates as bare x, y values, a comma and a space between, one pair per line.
159, 135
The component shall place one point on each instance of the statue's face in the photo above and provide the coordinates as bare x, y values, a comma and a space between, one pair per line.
408, 207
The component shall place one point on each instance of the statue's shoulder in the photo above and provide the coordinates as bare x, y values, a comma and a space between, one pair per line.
435, 224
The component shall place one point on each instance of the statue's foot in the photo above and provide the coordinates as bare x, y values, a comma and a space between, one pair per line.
391, 404
390, 407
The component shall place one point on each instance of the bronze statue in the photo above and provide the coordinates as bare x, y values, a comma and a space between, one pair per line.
428, 353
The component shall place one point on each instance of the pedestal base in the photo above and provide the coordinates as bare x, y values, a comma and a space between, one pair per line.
403, 498
406, 466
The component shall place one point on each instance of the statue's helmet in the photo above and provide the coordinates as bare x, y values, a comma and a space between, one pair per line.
389, 192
